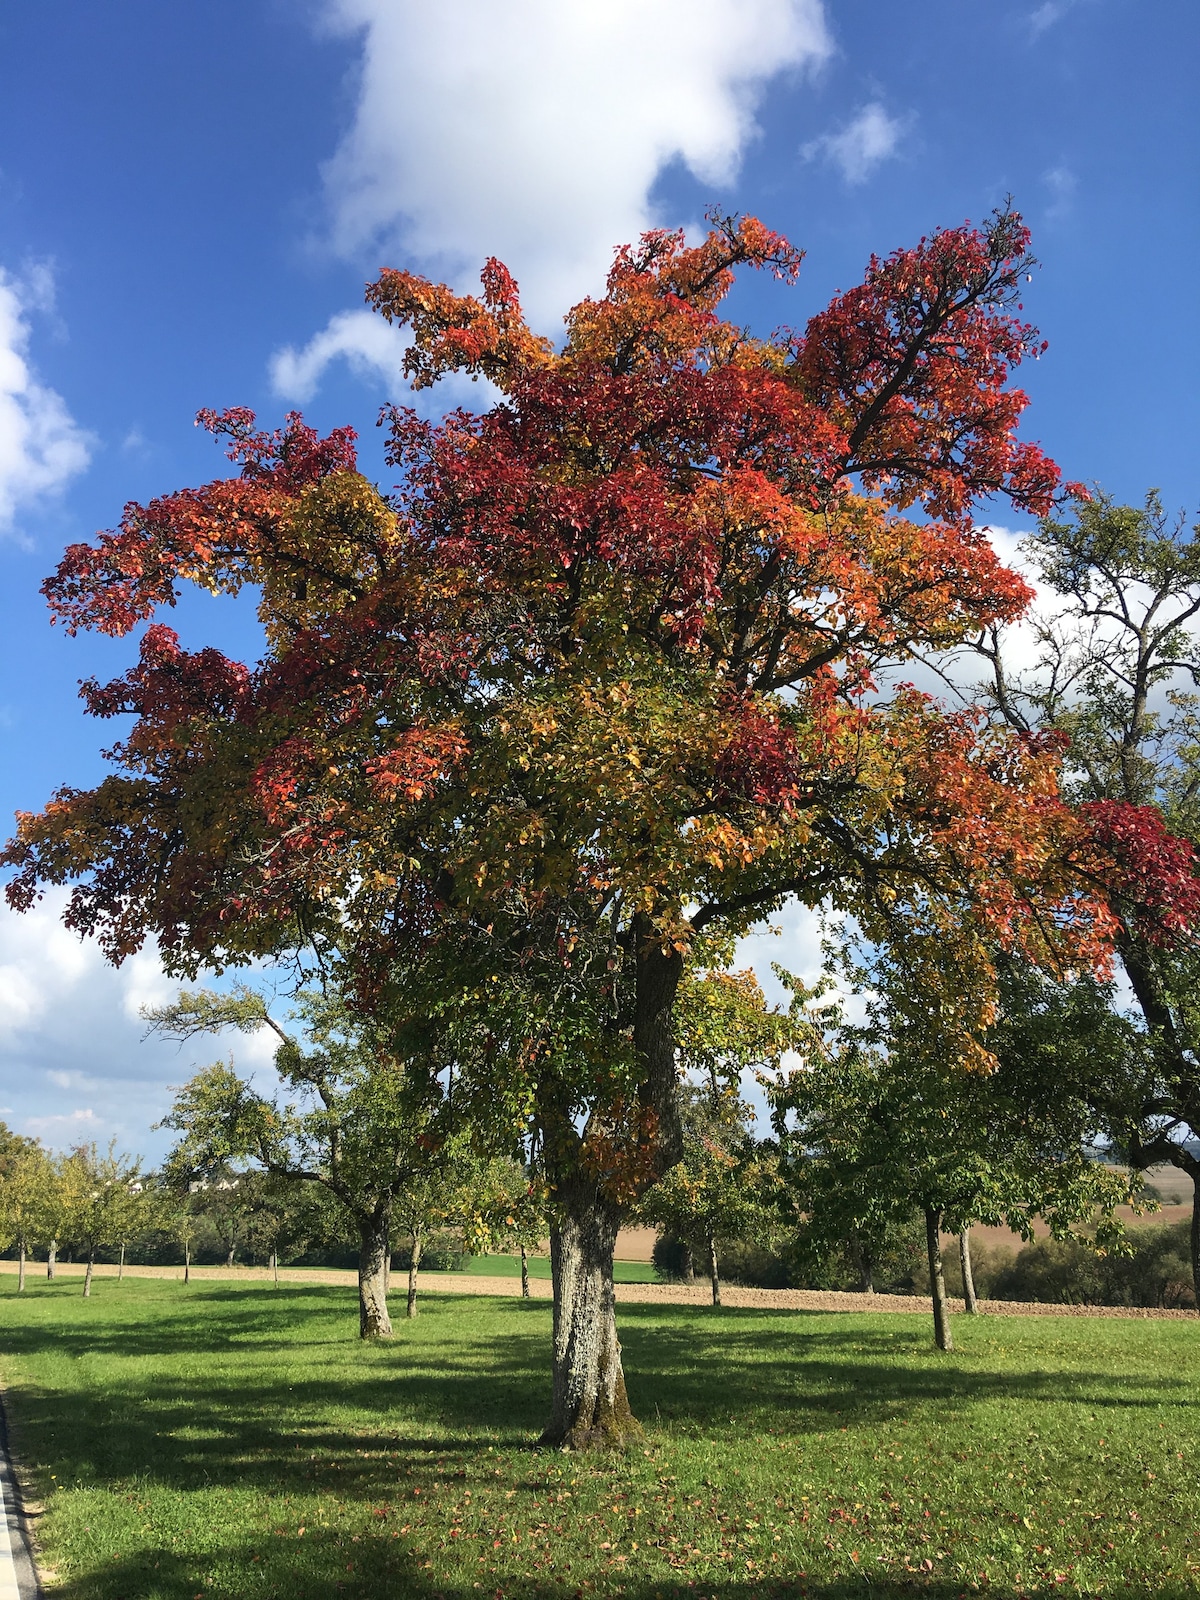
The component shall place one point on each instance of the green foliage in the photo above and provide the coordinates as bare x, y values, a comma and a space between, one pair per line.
101, 1198
1154, 1271
876, 1123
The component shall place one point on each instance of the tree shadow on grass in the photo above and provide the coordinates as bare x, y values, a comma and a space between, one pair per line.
805, 1373
327, 1567
279, 1391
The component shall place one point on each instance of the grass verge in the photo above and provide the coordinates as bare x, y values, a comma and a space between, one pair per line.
234, 1440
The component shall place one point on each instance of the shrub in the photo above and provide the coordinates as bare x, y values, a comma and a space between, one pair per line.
1154, 1271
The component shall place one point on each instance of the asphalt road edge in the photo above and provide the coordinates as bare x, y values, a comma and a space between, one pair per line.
18, 1571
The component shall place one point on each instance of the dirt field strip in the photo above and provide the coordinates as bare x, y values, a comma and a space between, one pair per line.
673, 1294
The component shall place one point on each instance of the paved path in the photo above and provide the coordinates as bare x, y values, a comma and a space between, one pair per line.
18, 1578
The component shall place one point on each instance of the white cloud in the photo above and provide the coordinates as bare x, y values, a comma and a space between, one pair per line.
70, 1027
1062, 184
373, 349
869, 139
41, 446
536, 132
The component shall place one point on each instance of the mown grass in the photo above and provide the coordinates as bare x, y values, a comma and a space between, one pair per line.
539, 1267
237, 1441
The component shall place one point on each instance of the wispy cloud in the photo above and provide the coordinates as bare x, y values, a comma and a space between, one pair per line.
1047, 14
869, 139
373, 349
1061, 184
41, 446
535, 134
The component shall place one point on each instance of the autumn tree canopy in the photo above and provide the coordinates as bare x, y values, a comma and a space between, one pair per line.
595, 682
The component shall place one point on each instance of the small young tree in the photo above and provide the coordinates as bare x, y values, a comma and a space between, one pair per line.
101, 1200
368, 1126
725, 1032
26, 1194
877, 1122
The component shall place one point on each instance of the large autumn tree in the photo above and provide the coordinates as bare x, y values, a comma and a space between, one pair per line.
593, 683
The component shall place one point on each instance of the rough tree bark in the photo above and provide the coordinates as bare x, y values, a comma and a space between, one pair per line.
52, 1258
970, 1303
87, 1277
524, 1273
590, 1405
414, 1262
374, 1232
937, 1282
713, 1274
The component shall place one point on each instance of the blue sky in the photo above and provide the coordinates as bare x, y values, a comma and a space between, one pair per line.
192, 196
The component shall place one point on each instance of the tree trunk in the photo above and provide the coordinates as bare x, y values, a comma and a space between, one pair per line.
121, 1266
275, 1266
968, 1277
1196, 1236
21, 1265
687, 1264
87, 1277
187, 1261
230, 1256
591, 1407
524, 1273
714, 1275
866, 1265
414, 1261
52, 1258
374, 1233
937, 1282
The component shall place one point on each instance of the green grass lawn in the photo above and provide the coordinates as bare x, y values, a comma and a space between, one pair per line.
234, 1440
539, 1267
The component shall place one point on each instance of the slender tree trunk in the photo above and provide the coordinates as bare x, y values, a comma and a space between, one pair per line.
713, 1274
590, 1404
230, 1256
524, 1273
687, 1264
187, 1261
970, 1301
414, 1261
52, 1258
937, 1283
21, 1265
374, 1233
1196, 1236
275, 1266
87, 1277
866, 1266
121, 1266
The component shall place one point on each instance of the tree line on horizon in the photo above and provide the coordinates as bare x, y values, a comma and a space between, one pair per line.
618, 668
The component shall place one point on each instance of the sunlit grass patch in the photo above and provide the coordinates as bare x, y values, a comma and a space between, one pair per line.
238, 1440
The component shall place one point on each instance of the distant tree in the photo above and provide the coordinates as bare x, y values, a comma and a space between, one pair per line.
27, 1180
101, 1200
369, 1126
1117, 680
877, 1121
726, 1033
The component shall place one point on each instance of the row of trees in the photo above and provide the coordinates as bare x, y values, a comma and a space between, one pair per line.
94, 1200
616, 670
